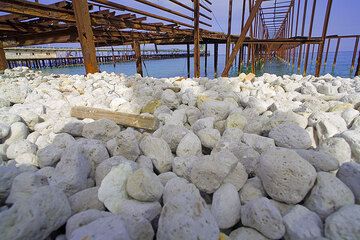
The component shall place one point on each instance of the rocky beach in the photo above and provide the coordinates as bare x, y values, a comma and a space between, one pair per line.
268, 157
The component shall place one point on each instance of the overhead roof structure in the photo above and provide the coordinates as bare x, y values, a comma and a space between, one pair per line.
272, 27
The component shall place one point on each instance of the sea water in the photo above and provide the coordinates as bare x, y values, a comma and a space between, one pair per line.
178, 67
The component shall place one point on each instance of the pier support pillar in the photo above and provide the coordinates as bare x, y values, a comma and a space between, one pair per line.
216, 50
188, 59
86, 36
196, 39
137, 50
3, 62
206, 62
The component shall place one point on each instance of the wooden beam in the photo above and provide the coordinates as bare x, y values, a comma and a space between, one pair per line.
124, 119
137, 50
242, 36
85, 33
196, 39
3, 62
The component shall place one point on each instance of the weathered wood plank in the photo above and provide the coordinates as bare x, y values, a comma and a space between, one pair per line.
125, 119
3, 63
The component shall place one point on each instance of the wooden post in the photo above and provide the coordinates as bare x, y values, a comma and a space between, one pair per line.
3, 62
242, 36
206, 63
228, 40
216, 49
354, 53
137, 50
323, 37
336, 51
188, 59
196, 39
85, 33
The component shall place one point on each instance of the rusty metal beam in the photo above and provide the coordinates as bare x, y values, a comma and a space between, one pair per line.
242, 36
189, 8
323, 37
310, 33
196, 39
229, 31
354, 53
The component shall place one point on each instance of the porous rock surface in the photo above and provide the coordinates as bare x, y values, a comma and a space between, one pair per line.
267, 157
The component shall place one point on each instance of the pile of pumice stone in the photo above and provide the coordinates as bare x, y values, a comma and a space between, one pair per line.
272, 157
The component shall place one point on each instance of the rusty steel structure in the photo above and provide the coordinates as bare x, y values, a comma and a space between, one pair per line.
268, 29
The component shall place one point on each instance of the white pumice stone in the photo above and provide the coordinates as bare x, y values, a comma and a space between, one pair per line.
245, 157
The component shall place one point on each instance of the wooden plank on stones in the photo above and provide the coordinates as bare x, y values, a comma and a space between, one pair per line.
125, 119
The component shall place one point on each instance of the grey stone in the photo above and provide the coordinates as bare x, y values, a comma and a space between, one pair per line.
290, 136
286, 177
159, 151
102, 130
328, 195
262, 215
245, 233
210, 171
185, 214
37, 216
85, 199
344, 223
338, 148
49, 155
349, 173
251, 190
143, 185
322, 161
24, 185
124, 144
226, 206
18, 131
209, 137
190, 145
302, 224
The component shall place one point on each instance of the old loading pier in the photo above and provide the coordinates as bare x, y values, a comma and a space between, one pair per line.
271, 29
43, 57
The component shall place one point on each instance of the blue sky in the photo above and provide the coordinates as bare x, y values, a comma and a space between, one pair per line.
344, 18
